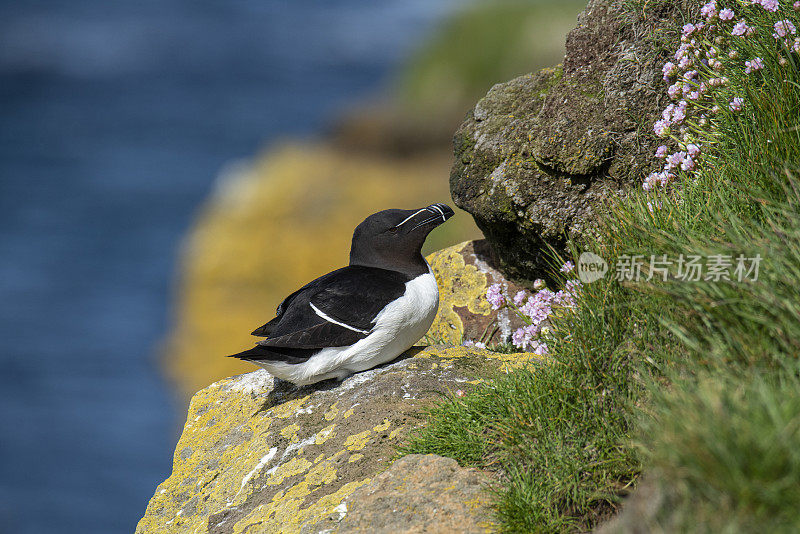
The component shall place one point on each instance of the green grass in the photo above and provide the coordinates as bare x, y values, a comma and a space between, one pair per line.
696, 383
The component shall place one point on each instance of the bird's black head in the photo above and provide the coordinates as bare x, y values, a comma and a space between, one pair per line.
392, 239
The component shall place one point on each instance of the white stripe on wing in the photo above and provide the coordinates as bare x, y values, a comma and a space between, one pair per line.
334, 321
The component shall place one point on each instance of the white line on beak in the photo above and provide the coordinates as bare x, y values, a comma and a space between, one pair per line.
410, 217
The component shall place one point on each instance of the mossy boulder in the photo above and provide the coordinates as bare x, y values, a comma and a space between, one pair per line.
254, 457
539, 156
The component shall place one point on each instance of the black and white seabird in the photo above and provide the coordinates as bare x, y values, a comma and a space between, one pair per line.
362, 315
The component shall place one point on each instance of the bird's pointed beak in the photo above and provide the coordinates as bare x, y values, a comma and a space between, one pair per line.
435, 214
443, 210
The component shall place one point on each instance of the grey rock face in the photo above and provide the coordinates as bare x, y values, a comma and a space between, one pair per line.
418, 493
540, 155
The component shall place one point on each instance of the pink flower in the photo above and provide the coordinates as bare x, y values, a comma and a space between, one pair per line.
650, 181
567, 267
539, 348
736, 104
726, 14
796, 5
495, 296
522, 337
687, 164
783, 28
756, 64
709, 11
692, 149
679, 113
770, 5
476, 344
661, 152
661, 128
669, 69
688, 29
674, 90
740, 28
694, 95
519, 298
538, 284
675, 160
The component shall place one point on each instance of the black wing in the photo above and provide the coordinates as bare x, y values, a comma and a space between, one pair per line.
346, 301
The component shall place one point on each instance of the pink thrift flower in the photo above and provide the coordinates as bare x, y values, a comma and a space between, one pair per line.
661, 152
538, 284
661, 128
796, 5
736, 104
680, 113
675, 160
770, 5
495, 296
784, 28
650, 182
669, 69
519, 298
754, 65
688, 29
687, 164
567, 267
740, 28
692, 149
674, 91
726, 14
539, 348
709, 11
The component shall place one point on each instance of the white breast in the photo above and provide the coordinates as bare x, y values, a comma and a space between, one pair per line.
397, 327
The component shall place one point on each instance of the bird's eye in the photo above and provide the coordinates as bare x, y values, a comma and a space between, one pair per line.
392, 230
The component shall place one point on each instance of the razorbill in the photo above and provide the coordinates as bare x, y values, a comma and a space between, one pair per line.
362, 315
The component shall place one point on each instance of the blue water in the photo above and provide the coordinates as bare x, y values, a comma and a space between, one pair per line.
114, 120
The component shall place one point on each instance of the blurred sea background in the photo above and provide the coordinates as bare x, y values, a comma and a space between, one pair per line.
118, 119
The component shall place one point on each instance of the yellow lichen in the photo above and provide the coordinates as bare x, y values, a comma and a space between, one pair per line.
356, 442
324, 435
383, 426
331, 414
290, 432
460, 285
293, 467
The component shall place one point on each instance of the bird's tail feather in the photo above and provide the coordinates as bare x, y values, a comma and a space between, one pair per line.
275, 354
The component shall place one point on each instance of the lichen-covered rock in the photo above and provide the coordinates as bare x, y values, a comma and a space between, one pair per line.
541, 154
257, 458
418, 493
463, 273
